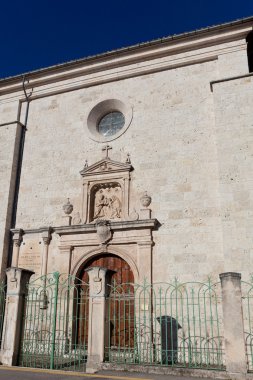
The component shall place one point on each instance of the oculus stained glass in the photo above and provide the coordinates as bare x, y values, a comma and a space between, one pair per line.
111, 123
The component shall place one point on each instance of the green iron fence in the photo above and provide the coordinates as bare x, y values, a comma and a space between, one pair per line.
55, 325
247, 304
2, 307
176, 325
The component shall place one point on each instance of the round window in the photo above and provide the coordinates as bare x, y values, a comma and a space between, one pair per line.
108, 120
111, 123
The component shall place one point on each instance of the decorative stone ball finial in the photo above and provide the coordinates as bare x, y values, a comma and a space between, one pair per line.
145, 200
67, 207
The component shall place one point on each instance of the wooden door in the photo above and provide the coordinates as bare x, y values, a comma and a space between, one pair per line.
121, 300
123, 273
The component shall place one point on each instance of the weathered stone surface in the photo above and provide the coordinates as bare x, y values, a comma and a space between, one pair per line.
189, 141
17, 280
235, 349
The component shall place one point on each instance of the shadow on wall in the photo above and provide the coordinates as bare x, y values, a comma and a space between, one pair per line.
249, 40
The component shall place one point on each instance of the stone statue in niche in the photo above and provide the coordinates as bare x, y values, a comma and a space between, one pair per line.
107, 203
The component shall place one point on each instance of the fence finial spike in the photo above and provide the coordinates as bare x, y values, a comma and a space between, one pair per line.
176, 282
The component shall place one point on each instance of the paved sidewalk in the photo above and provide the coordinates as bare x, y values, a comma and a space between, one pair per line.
136, 375
18, 373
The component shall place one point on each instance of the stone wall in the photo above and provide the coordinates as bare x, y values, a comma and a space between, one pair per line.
234, 128
9, 137
181, 148
173, 151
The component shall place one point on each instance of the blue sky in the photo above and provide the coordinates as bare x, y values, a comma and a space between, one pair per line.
36, 33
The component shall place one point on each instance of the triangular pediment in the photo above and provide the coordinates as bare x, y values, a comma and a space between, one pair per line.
105, 165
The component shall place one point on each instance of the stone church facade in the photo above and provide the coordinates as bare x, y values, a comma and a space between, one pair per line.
140, 158
186, 141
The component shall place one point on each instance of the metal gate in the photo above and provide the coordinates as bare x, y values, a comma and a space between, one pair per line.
176, 325
55, 325
2, 308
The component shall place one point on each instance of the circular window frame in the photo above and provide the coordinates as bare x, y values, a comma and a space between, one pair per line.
100, 110
101, 127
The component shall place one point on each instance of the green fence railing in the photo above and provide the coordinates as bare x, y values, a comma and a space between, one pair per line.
247, 304
176, 325
55, 325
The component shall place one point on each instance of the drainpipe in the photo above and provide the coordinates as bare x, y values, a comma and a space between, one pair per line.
19, 167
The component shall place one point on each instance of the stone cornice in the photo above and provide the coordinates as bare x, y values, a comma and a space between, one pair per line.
132, 61
115, 167
89, 228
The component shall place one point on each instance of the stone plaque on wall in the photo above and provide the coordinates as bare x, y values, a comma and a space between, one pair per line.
31, 261
30, 257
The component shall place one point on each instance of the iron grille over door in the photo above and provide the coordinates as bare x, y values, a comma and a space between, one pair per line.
121, 315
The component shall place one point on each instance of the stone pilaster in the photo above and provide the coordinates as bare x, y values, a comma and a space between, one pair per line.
46, 237
17, 280
97, 317
145, 261
67, 250
233, 324
17, 240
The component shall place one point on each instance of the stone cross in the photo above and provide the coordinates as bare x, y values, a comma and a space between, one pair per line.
106, 148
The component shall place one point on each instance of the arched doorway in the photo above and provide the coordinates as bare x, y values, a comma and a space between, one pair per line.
120, 301
123, 273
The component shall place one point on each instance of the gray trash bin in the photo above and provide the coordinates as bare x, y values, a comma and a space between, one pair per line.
169, 339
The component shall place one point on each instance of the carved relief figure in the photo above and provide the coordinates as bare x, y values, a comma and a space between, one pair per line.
115, 207
107, 203
100, 205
